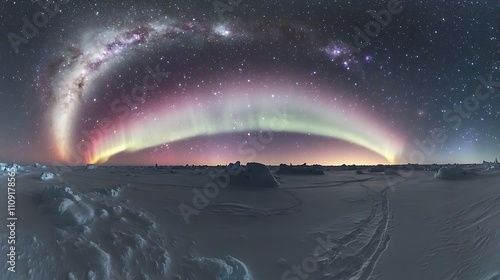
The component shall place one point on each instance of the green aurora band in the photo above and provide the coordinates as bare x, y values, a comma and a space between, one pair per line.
271, 112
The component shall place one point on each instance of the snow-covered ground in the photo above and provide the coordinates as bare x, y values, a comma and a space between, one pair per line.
163, 223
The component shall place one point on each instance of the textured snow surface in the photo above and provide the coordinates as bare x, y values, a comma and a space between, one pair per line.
125, 223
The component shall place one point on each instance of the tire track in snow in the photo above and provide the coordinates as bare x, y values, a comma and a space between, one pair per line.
372, 234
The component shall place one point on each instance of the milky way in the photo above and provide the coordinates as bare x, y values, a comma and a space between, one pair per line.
97, 53
90, 58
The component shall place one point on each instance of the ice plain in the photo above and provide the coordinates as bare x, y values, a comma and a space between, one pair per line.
126, 223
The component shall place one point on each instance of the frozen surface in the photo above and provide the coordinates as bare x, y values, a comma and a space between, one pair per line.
125, 223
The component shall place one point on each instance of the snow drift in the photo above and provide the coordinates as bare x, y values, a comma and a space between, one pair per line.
96, 237
65, 209
252, 175
450, 172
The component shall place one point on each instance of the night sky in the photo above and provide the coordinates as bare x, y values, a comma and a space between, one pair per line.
204, 82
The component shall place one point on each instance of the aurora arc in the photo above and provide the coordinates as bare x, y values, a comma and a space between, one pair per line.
256, 112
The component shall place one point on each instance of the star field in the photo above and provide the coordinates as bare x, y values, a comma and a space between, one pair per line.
203, 82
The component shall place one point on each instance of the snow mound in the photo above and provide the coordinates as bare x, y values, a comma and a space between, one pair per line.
491, 165
91, 166
16, 167
12, 167
228, 268
303, 170
253, 174
53, 192
113, 191
59, 205
65, 208
97, 262
47, 176
3, 169
450, 172
67, 213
